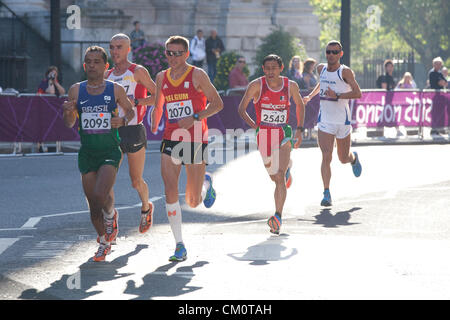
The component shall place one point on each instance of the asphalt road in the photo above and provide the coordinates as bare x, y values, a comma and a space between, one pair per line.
387, 235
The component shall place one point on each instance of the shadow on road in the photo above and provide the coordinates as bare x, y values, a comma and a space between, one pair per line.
328, 220
270, 250
160, 284
75, 287
341, 218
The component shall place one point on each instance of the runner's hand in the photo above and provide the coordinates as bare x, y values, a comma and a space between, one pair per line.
298, 139
330, 93
306, 99
117, 122
186, 123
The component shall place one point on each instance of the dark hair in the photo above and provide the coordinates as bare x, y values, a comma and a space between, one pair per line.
50, 69
309, 64
273, 57
135, 23
97, 49
178, 40
388, 61
334, 43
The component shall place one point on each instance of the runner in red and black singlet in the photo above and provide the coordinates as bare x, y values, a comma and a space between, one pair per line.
137, 83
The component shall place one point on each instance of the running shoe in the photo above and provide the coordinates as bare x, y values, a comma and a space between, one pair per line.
288, 178
146, 219
180, 253
274, 223
112, 227
356, 167
102, 252
210, 193
326, 201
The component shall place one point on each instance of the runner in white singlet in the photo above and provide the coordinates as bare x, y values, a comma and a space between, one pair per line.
337, 85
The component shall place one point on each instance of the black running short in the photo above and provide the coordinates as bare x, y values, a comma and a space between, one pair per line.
133, 138
187, 152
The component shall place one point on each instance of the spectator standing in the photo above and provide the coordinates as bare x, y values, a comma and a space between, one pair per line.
137, 36
214, 48
435, 76
50, 85
386, 81
309, 79
237, 78
407, 82
295, 69
198, 49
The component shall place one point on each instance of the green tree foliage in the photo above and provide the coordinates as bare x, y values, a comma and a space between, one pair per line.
281, 43
422, 26
225, 64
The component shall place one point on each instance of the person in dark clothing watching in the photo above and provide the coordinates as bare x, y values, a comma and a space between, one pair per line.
214, 48
386, 81
435, 76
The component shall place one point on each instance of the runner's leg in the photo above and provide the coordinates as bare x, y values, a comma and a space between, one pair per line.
326, 144
170, 173
195, 174
281, 158
97, 188
343, 150
136, 163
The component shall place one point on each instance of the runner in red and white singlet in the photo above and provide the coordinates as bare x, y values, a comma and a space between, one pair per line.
137, 83
271, 95
272, 115
133, 89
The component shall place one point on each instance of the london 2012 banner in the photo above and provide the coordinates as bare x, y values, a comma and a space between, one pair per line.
34, 118
401, 108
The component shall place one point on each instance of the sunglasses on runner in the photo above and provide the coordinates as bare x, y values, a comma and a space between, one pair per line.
174, 53
333, 51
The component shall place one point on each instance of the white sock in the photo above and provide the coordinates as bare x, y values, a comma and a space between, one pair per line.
173, 211
107, 215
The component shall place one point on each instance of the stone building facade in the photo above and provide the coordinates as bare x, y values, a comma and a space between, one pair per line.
240, 23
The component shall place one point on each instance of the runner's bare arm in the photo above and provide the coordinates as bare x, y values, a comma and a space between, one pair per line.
124, 102
349, 77
252, 92
300, 110
70, 106
159, 103
142, 76
202, 83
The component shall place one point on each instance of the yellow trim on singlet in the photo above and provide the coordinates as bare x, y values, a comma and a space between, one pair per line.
177, 82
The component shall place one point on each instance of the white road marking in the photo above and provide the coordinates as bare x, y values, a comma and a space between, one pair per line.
48, 249
31, 223
5, 243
